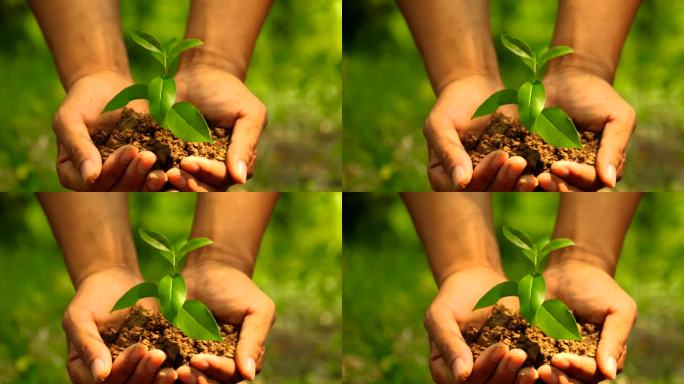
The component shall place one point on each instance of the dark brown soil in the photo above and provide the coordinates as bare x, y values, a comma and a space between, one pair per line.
511, 329
511, 136
151, 329
144, 133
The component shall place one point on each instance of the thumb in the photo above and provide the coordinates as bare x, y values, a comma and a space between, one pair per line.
82, 332
611, 154
73, 134
446, 335
243, 142
614, 336
442, 137
253, 333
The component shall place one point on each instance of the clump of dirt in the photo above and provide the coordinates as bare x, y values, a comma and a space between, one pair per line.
152, 330
510, 135
144, 133
513, 330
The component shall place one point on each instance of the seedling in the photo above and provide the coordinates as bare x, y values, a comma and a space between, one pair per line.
552, 124
191, 316
183, 119
552, 316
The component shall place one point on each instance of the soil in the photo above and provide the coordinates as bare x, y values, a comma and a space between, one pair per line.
511, 329
510, 135
141, 131
152, 330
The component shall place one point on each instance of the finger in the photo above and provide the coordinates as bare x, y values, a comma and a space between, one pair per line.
582, 176
189, 375
507, 369
553, 183
527, 375
82, 331
579, 367
507, 177
78, 372
136, 173
552, 375
442, 136
441, 373
166, 376
115, 167
185, 182
613, 146
444, 331
486, 363
440, 181
255, 327
149, 366
242, 148
619, 321
217, 367
212, 172
73, 134
486, 170
155, 181
527, 183
126, 363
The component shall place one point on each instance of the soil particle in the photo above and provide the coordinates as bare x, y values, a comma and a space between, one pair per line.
145, 134
152, 330
511, 329
508, 134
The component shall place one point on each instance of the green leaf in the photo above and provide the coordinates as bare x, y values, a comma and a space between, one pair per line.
516, 46
531, 292
187, 123
558, 51
531, 255
531, 63
172, 293
195, 320
554, 245
168, 46
183, 46
160, 57
128, 94
134, 294
502, 97
518, 238
146, 41
162, 95
556, 320
507, 288
556, 128
531, 99
191, 245
160, 242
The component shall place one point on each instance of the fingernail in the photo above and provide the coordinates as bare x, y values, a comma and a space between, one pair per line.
512, 172
460, 369
560, 362
242, 172
150, 365
459, 176
199, 363
98, 370
127, 156
498, 161
88, 171
141, 167
552, 187
152, 181
251, 369
561, 170
612, 176
611, 367
512, 365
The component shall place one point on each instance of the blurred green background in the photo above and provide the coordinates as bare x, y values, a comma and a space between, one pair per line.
295, 71
384, 340
387, 94
299, 267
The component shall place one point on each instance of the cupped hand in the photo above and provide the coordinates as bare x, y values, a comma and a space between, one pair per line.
88, 358
233, 298
226, 102
595, 106
451, 360
449, 166
79, 164
593, 296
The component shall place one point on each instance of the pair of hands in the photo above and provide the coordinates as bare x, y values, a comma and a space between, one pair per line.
228, 293
589, 292
588, 99
222, 98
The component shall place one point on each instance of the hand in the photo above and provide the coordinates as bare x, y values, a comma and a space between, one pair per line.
79, 164
233, 298
451, 360
88, 357
225, 102
449, 166
594, 297
594, 105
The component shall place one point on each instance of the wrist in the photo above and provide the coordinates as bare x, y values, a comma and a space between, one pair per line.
482, 76
112, 270
95, 71
203, 259
572, 258
580, 62
467, 267
208, 58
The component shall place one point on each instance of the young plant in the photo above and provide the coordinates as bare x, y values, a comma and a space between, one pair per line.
191, 316
552, 316
183, 119
552, 124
